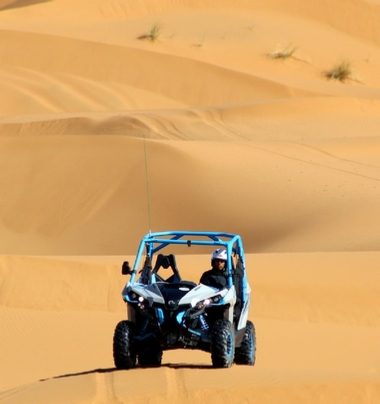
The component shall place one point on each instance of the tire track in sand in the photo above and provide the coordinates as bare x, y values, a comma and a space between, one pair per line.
105, 392
176, 388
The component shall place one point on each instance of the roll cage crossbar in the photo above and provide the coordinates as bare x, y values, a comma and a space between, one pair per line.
154, 242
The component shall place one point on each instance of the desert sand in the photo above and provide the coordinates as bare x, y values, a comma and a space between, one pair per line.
119, 117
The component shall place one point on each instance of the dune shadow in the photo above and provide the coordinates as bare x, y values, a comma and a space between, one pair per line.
85, 372
110, 370
23, 3
186, 366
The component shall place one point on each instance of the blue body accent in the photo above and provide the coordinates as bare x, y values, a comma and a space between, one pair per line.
195, 332
203, 336
160, 315
179, 317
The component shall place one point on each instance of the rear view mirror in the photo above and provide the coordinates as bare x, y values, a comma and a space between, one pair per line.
125, 268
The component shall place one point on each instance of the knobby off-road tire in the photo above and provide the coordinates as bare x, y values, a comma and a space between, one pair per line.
222, 344
246, 353
152, 357
124, 354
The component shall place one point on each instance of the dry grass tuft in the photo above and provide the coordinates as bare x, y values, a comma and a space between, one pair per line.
283, 53
201, 41
153, 34
342, 72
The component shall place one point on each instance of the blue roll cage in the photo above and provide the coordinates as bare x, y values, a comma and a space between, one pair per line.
154, 242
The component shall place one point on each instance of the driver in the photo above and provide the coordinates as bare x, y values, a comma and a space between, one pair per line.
217, 275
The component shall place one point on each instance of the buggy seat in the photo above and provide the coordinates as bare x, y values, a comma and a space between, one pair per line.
166, 261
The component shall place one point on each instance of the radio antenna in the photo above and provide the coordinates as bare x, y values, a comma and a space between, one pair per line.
147, 183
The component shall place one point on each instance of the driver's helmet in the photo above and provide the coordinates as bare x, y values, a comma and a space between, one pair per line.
219, 254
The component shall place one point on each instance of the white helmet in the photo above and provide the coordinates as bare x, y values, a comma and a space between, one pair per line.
219, 254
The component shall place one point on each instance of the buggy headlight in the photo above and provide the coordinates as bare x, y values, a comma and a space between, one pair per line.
202, 304
206, 302
134, 297
142, 302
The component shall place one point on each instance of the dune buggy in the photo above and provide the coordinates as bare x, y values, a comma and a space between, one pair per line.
173, 313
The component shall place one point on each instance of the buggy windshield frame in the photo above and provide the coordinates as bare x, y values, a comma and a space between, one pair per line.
151, 243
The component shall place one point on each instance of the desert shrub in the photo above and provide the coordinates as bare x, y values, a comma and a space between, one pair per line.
153, 34
283, 53
341, 71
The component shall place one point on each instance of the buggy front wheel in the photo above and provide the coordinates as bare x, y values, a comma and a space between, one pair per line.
222, 344
245, 354
124, 353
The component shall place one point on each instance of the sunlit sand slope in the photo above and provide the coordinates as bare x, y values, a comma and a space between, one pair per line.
316, 319
75, 180
118, 117
97, 202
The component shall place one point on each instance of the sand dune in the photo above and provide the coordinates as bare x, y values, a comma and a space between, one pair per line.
105, 136
316, 333
329, 200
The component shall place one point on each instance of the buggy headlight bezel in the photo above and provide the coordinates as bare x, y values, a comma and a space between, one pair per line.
209, 301
133, 297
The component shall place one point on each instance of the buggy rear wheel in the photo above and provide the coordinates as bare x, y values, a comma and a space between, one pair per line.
124, 353
246, 353
152, 357
222, 344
